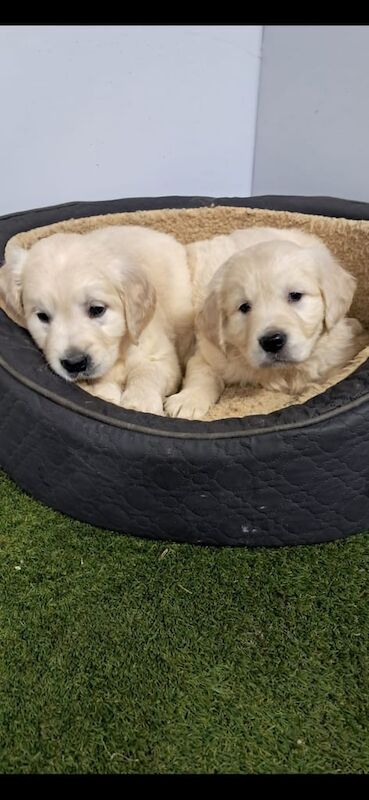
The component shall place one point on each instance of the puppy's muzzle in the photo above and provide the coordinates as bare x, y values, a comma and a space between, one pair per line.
76, 363
274, 342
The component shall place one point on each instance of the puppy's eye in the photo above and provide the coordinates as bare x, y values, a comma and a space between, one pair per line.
294, 297
96, 311
43, 317
245, 308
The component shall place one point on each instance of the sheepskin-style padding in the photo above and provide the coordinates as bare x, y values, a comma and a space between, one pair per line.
347, 239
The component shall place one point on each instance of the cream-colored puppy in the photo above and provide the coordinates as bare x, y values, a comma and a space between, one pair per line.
110, 309
272, 315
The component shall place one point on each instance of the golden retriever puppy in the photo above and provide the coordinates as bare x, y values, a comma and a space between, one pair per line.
110, 309
272, 315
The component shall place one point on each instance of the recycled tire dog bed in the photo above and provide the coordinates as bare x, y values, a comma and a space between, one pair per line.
297, 475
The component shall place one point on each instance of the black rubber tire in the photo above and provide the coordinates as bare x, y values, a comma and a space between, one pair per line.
297, 476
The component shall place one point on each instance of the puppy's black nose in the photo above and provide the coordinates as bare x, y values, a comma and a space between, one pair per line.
273, 342
75, 362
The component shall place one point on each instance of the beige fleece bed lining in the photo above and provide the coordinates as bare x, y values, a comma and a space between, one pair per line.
348, 240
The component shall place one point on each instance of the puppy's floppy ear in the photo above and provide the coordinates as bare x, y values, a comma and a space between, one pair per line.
11, 283
139, 300
209, 321
336, 284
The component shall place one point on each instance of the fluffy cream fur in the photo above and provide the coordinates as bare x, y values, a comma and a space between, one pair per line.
251, 296
348, 240
137, 279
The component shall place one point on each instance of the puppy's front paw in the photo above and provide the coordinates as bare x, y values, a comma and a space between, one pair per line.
146, 403
187, 404
110, 392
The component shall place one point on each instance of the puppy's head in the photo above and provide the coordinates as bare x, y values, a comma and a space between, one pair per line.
272, 301
78, 302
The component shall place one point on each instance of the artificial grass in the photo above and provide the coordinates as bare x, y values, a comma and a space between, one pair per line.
126, 656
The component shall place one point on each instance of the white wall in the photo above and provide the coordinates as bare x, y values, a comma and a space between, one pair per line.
313, 121
98, 112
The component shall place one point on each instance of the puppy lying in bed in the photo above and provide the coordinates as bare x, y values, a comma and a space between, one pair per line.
272, 315
110, 309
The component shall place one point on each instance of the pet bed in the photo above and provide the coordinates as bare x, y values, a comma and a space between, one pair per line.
263, 469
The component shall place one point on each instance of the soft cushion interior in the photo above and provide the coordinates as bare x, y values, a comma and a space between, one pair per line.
348, 240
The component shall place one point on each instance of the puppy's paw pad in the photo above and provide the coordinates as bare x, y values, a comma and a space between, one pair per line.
186, 405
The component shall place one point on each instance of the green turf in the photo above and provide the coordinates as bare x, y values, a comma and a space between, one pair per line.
123, 655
